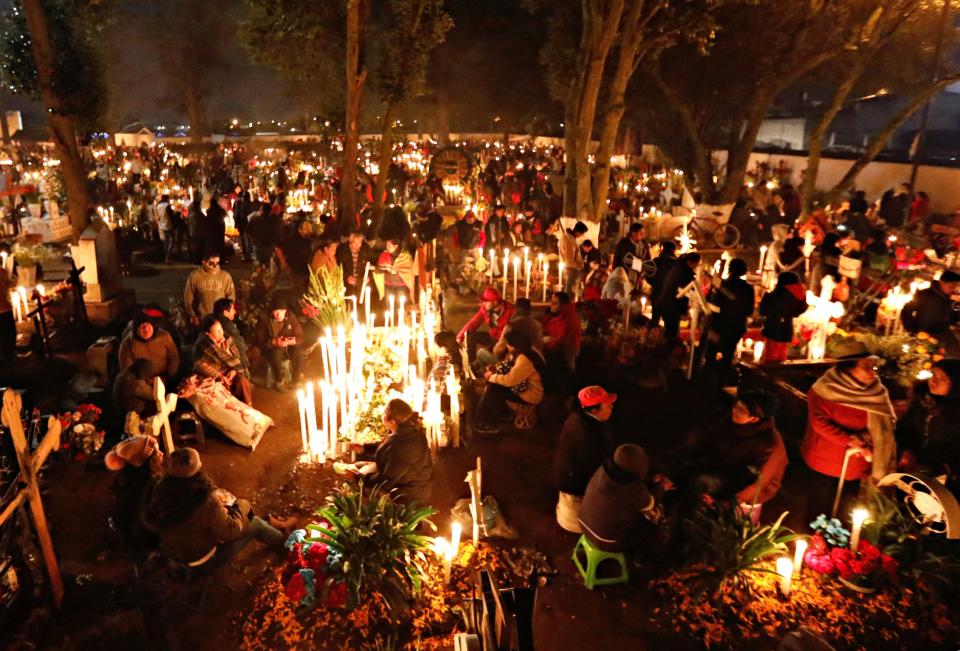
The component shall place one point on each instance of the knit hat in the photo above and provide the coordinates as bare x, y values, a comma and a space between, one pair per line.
595, 395
490, 294
136, 450
183, 463
633, 459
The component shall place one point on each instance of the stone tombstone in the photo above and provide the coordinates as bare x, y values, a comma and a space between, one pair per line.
97, 255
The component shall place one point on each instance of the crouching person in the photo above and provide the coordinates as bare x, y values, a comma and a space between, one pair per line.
197, 521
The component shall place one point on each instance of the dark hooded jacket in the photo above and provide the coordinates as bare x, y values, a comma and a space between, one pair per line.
404, 466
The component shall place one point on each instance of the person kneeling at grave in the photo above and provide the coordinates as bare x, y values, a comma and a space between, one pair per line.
402, 464
618, 512
517, 380
196, 521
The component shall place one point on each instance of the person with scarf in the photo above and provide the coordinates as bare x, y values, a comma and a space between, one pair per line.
585, 442
396, 265
402, 464
928, 435
215, 357
848, 408
779, 308
280, 336
146, 341
196, 521
561, 334
518, 379
495, 313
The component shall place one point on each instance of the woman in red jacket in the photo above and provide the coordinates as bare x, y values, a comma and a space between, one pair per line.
561, 338
848, 408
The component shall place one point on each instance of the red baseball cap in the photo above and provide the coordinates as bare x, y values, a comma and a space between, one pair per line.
490, 294
595, 395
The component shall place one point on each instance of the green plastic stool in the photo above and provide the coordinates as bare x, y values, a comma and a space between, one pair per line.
596, 556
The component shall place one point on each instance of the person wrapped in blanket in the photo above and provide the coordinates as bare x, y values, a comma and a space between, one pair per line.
518, 379
216, 357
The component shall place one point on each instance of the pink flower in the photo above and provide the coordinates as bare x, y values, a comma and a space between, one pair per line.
819, 563
317, 557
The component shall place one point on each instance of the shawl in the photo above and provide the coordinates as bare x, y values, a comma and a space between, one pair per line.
839, 387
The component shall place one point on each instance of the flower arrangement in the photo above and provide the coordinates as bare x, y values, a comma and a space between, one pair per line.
905, 355
832, 531
30, 255
866, 570
323, 302
79, 431
309, 564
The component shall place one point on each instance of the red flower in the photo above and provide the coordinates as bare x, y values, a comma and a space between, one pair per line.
295, 558
818, 545
317, 557
890, 566
296, 589
868, 551
310, 311
841, 560
336, 595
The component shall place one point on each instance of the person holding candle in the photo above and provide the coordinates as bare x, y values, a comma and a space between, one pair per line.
496, 234
633, 245
927, 433
779, 308
931, 310
570, 256
665, 261
353, 260
847, 408
670, 306
397, 266
518, 379
280, 337
402, 465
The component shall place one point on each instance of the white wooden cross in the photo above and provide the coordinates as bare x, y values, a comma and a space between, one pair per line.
166, 404
819, 313
475, 481
30, 465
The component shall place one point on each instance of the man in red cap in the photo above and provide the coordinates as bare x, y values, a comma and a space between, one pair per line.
495, 313
586, 441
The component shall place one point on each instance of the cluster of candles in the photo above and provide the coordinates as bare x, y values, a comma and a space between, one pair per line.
891, 306
447, 549
345, 388
787, 568
749, 346
19, 300
521, 269
820, 311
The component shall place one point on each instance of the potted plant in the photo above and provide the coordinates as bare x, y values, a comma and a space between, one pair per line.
28, 256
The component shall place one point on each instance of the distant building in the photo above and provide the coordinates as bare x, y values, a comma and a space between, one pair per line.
134, 135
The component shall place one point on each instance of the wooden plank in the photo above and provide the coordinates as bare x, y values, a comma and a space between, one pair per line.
12, 506
50, 442
12, 405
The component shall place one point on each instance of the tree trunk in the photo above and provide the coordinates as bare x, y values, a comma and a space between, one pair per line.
601, 25
196, 111
570, 167
61, 125
386, 156
880, 140
357, 12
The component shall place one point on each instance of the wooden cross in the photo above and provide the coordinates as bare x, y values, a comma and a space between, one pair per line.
30, 465
39, 316
166, 405
475, 481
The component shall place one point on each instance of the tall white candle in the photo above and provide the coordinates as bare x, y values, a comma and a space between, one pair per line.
301, 406
560, 276
526, 279
516, 272
859, 516
799, 551
785, 570
543, 277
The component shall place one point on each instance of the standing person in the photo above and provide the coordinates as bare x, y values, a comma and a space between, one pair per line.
147, 341
634, 245
196, 521
264, 229
353, 260
8, 326
665, 261
280, 338
167, 226
215, 225
204, 286
401, 465
848, 409
670, 306
919, 211
779, 308
496, 232
894, 207
735, 298
325, 255
792, 206
585, 442
217, 358
195, 238
241, 212
517, 380
397, 267
570, 256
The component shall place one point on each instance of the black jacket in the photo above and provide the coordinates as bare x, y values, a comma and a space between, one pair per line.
679, 277
214, 229
780, 307
404, 466
735, 299
928, 429
584, 444
497, 230
930, 311
345, 260
625, 246
665, 264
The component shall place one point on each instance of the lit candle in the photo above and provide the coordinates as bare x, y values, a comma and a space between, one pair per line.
526, 256
516, 273
560, 276
757, 351
785, 570
763, 258
451, 550
403, 304
543, 276
643, 306
526, 279
492, 262
301, 399
859, 516
392, 301
506, 269
800, 550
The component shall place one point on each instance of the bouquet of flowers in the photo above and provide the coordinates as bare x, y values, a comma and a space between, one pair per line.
308, 566
79, 431
829, 554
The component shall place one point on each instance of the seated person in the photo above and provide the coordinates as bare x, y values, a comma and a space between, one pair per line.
585, 442
136, 461
517, 380
133, 389
522, 319
561, 337
927, 434
217, 358
742, 458
495, 313
225, 309
618, 512
402, 463
146, 341
196, 521
280, 337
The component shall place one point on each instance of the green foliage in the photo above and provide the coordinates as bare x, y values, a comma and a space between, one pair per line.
378, 540
730, 546
904, 355
76, 32
416, 28
323, 302
29, 255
